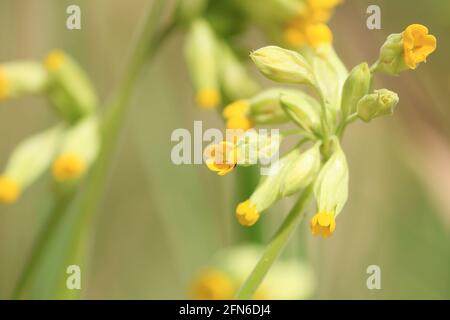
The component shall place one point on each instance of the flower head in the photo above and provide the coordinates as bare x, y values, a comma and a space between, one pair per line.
221, 157
9, 190
236, 115
246, 213
208, 98
417, 44
323, 223
68, 166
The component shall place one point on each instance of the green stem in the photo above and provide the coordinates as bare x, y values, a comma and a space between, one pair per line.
275, 247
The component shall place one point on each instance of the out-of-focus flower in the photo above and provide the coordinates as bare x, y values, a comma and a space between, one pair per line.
201, 48
27, 162
22, 78
289, 279
79, 148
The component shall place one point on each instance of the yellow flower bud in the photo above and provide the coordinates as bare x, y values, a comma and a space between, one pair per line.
9, 190
247, 214
213, 284
68, 166
221, 158
318, 34
208, 98
79, 148
381, 102
283, 65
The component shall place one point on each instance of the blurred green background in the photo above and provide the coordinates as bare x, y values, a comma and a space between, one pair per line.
159, 223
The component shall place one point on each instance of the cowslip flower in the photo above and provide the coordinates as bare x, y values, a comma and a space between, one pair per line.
221, 157
213, 284
331, 191
417, 44
404, 51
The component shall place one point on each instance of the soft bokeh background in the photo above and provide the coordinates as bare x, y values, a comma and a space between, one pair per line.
159, 223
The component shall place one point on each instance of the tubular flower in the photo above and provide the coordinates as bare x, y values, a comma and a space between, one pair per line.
323, 223
213, 285
417, 44
9, 190
68, 166
208, 98
246, 213
221, 158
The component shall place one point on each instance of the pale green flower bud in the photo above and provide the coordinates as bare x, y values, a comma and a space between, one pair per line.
302, 171
236, 82
303, 110
265, 107
356, 86
331, 186
22, 78
79, 148
70, 90
381, 102
27, 162
391, 60
201, 56
327, 82
283, 65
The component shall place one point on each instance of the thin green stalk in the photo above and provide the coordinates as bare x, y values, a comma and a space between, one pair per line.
275, 247
88, 198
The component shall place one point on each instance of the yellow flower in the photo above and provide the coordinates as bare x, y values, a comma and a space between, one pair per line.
3, 84
68, 166
208, 98
213, 285
9, 190
247, 214
320, 11
323, 223
318, 34
54, 60
221, 158
293, 36
236, 109
237, 123
417, 44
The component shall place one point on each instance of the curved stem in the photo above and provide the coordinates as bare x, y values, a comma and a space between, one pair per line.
275, 247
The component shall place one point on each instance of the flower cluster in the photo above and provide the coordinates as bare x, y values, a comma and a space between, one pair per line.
71, 145
335, 99
212, 50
